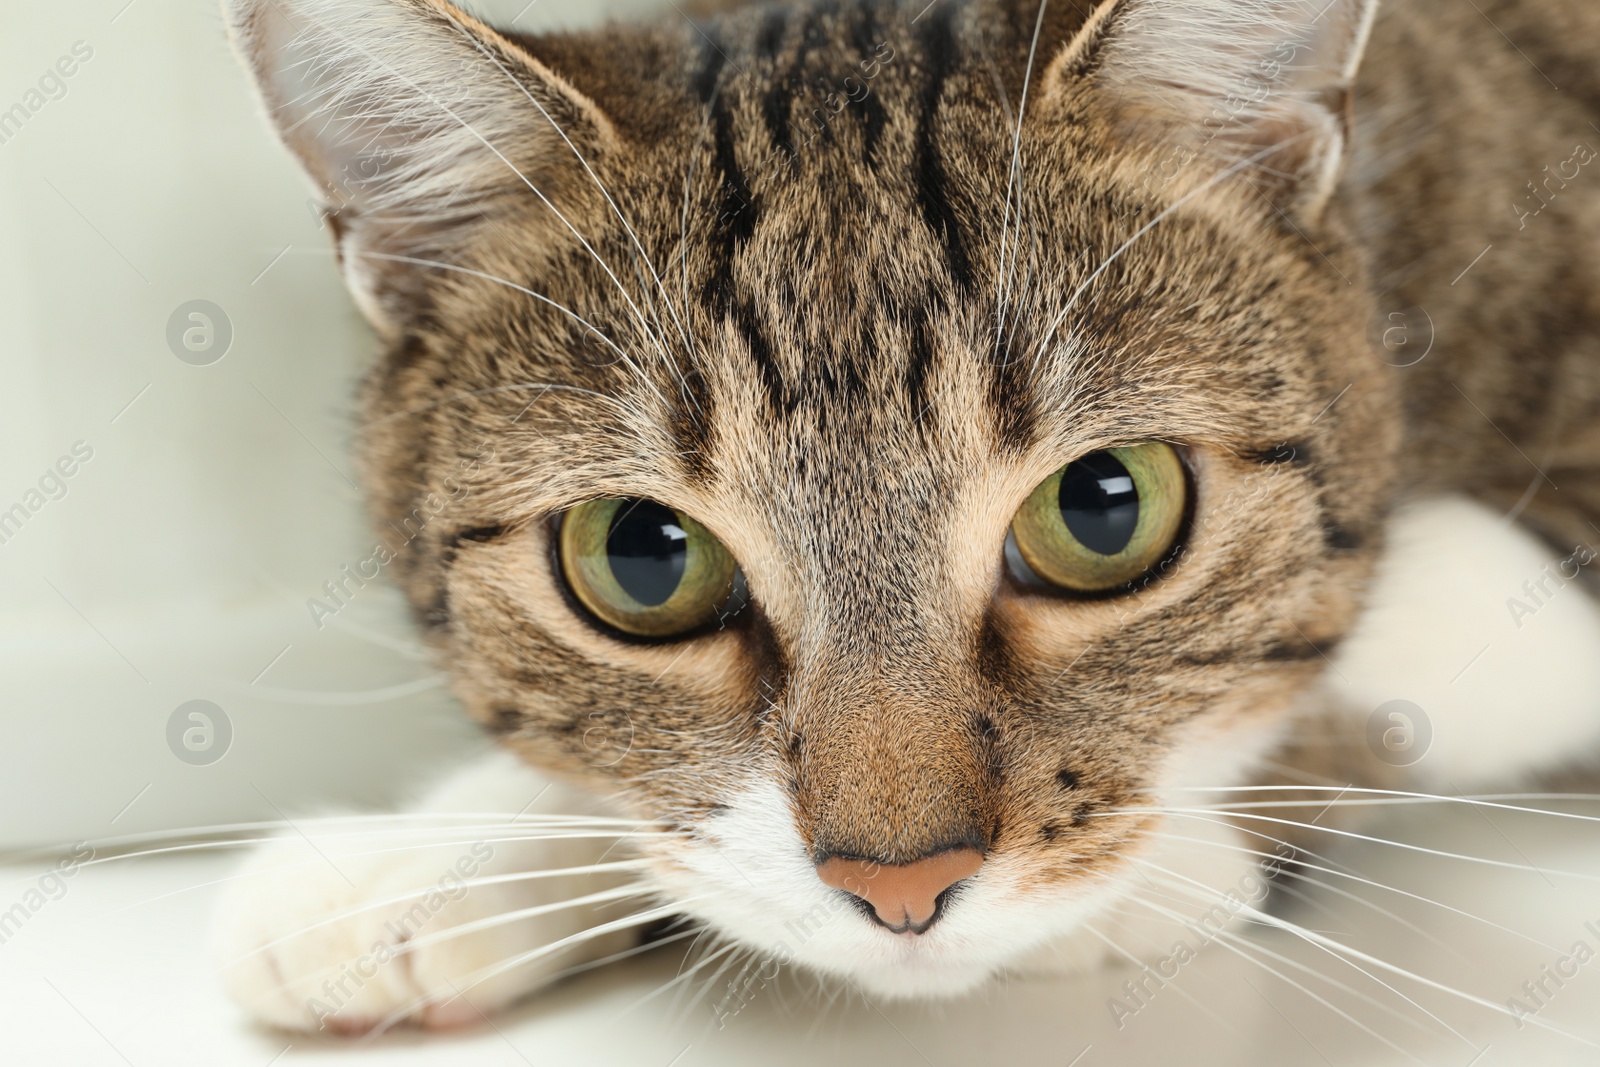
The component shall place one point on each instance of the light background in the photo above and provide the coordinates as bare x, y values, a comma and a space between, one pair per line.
219, 497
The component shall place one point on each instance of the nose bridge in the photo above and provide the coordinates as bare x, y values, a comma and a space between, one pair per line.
885, 703
892, 761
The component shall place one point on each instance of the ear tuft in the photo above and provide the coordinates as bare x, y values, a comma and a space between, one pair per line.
1262, 86
413, 120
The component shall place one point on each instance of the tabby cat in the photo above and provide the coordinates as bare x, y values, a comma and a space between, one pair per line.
869, 462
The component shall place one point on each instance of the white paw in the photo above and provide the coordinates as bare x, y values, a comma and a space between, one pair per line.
349, 934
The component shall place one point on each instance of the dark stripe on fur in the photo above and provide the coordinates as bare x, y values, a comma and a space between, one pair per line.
504, 721
748, 320
740, 210
1297, 453
693, 424
873, 117
919, 368
1011, 392
735, 206
1340, 538
775, 103
938, 46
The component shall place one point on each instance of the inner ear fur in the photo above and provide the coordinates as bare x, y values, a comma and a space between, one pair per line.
1257, 90
421, 129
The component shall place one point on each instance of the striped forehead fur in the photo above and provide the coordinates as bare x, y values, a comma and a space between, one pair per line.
819, 278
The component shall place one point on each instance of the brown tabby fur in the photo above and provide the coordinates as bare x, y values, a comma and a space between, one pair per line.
826, 392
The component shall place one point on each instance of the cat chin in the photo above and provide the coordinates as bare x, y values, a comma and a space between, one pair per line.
921, 982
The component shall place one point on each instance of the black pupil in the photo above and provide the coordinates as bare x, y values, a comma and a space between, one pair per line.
648, 551
1099, 503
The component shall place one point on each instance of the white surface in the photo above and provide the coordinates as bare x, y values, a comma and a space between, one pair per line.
114, 973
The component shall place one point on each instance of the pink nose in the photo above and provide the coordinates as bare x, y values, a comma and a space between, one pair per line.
905, 896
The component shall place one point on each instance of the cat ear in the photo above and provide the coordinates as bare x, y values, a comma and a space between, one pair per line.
417, 123
1261, 86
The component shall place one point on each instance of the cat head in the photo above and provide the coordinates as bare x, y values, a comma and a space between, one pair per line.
891, 445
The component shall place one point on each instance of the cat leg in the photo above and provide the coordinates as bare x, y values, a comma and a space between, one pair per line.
352, 924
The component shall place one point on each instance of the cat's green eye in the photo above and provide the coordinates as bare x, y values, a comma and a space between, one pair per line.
646, 569
1104, 521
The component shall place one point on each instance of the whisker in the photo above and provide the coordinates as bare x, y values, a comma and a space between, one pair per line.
411, 650
684, 976
736, 987
1337, 949
551, 207
1394, 797
206, 846
573, 315
598, 184
1161, 217
501, 819
1242, 946
518, 914
466, 883
1027, 283
682, 1015
1011, 182
468, 394
1227, 941
339, 698
1356, 898
1506, 864
1140, 965
484, 974
628, 953
1298, 930
1349, 875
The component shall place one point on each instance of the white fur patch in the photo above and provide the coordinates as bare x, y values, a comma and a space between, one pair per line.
361, 923
753, 879
1507, 672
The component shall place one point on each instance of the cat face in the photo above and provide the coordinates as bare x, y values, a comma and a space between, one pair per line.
798, 290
